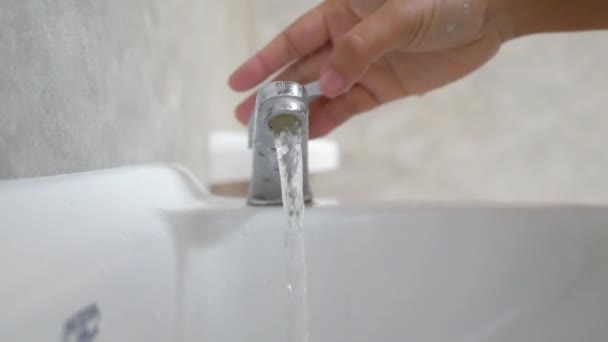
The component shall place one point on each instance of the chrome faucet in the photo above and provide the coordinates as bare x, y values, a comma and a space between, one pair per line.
278, 104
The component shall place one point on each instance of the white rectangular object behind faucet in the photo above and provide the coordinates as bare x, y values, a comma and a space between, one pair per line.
230, 159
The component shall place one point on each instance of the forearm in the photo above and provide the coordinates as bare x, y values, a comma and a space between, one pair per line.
517, 18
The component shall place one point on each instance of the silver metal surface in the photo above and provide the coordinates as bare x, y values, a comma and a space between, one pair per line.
313, 90
277, 104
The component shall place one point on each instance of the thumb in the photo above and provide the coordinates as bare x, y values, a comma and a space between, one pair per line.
365, 43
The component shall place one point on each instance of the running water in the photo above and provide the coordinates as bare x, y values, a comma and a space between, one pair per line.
289, 154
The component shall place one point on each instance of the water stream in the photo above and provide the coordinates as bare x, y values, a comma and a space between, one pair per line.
289, 154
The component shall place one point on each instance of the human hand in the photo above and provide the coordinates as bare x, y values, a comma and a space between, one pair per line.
369, 52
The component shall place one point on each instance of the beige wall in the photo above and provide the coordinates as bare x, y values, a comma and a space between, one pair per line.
87, 84
90, 84
531, 125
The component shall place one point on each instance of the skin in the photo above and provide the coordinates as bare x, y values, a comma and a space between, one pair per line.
370, 52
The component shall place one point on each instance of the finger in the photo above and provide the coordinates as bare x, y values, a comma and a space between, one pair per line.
368, 41
331, 113
244, 109
304, 71
341, 19
304, 36
307, 69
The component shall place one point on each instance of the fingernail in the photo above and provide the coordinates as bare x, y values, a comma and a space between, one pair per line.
332, 83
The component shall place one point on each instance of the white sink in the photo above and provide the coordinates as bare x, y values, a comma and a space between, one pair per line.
143, 254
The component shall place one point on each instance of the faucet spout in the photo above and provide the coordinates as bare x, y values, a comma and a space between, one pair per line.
279, 106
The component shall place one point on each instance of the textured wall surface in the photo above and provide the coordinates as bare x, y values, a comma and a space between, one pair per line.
88, 84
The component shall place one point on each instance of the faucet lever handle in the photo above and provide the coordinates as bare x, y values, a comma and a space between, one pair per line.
312, 90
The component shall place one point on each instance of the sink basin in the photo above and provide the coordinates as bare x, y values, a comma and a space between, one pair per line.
145, 254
